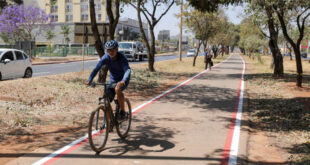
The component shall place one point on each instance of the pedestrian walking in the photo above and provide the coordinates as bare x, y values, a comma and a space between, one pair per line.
208, 59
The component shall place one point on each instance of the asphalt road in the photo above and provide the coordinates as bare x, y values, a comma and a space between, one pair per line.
53, 69
194, 123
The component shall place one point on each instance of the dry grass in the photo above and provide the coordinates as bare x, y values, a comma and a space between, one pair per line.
280, 108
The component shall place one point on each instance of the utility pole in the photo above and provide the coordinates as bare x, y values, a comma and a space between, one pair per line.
180, 36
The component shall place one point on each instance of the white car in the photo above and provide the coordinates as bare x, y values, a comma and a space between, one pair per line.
14, 64
191, 52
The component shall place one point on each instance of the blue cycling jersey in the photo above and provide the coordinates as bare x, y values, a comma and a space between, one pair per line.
119, 68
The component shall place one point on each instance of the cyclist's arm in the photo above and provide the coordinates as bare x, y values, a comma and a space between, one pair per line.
96, 69
126, 69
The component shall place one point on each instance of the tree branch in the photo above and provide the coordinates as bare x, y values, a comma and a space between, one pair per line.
164, 12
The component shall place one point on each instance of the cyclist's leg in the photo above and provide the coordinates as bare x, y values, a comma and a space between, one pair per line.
210, 65
111, 92
120, 96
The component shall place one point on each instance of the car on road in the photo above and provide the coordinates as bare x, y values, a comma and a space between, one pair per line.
133, 50
14, 64
191, 52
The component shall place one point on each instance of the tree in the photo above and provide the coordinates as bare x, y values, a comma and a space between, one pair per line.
264, 17
49, 36
251, 40
221, 37
4, 3
19, 22
234, 35
65, 31
150, 15
202, 24
300, 11
211, 5
113, 16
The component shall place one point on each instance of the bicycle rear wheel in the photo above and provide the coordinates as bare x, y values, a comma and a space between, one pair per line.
123, 126
98, 129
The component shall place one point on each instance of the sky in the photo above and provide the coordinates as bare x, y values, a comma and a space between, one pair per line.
170, 22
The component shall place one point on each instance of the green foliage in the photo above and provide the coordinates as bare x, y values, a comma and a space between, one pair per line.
211, 5
50, 35
66, 30
250, 37
203, 24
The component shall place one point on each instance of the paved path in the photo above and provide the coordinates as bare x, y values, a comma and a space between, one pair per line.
190, 125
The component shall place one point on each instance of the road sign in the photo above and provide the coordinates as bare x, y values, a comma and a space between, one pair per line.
304, 44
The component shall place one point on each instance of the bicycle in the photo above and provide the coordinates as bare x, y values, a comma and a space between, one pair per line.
103, 119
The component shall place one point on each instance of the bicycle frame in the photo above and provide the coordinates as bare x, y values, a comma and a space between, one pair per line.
107, 105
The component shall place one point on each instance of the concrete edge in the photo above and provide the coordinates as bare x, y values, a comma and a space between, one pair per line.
60, 62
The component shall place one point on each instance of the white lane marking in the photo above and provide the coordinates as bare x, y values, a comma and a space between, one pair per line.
47, 158
236, 135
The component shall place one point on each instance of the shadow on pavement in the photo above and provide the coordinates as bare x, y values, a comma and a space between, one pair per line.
144, 138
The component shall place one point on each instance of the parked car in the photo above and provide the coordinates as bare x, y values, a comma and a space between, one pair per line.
303, 55
14, 64
191, 52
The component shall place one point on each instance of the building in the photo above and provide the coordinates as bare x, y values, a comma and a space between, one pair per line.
75, 14
164, 35
70, 11
128, 29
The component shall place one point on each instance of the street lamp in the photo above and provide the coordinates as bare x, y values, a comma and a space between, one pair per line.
180, 35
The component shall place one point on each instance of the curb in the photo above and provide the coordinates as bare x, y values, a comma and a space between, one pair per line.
60, 62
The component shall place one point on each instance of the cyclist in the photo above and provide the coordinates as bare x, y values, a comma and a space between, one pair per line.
119, 73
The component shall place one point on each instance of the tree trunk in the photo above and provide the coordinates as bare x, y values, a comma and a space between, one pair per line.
273, 44
152, 52
98, 44
298, 66
296, 46
150, 48
197, 51
113, 21
277, 59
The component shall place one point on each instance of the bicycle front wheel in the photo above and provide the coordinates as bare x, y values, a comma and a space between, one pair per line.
98, 129
123, 126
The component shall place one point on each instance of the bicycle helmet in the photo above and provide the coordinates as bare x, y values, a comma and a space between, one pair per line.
111, 44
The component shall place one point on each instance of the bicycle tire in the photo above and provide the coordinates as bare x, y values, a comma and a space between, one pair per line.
98, 129
122, 127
